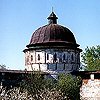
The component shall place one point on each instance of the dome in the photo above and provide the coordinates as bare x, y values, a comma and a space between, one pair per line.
52, 33
52, 49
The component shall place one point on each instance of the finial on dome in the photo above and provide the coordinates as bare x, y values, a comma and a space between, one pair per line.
52, 18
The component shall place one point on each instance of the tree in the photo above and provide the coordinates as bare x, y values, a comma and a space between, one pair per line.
40, 88
36, 87
33, 83
3, 67
69, 86
91, 58
66, 87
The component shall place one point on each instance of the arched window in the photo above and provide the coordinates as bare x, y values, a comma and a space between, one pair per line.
31, 58
55, 57
38, 56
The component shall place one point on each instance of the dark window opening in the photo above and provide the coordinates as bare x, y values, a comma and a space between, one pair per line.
72, 57
38, 56
47, 56
55, 57
31, 58
60, 58
64, 57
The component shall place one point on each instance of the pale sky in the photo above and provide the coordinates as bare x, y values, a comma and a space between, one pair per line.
20, 18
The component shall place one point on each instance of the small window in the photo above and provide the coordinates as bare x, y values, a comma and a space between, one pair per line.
47, 56
38, 56
60, 58
64, 57
55, 57
72, 57
31, 58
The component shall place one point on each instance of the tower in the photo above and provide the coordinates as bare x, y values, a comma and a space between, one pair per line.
53, 49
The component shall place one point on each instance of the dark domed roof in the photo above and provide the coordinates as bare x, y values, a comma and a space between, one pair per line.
52, 33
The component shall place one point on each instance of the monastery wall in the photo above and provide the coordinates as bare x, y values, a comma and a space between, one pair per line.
90, 89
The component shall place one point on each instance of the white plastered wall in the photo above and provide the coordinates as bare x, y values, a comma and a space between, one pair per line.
90, 89
43, 64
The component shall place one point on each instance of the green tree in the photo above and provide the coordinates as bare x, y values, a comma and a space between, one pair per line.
91, 58
69, 86
3, 67
33, 82
40, 88
66, 87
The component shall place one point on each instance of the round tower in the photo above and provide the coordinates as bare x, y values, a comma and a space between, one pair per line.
52, 48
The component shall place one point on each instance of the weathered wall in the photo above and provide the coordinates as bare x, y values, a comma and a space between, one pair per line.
66, 59
90, 89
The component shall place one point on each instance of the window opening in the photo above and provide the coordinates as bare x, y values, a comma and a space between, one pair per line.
64, 57
60, 58
55, 57
72, 57
38, 56
31, 58
47, 56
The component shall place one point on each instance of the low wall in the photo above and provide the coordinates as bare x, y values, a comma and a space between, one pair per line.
90, 89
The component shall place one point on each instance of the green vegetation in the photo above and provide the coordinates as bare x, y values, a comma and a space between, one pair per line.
3, 67
91, 58
36, 86
66, 87
69, 86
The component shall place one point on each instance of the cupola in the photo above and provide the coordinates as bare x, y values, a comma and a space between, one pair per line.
52, 18
53, 34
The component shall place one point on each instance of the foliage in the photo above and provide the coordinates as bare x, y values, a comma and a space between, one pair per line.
14, 94
33, 82
91, 58
18, 94
67, 86
70, 86
39, 87
3, 67
36, 87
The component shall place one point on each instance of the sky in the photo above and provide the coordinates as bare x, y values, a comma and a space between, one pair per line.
20, 18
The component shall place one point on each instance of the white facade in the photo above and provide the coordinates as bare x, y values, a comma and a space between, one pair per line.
58, 60
90, 89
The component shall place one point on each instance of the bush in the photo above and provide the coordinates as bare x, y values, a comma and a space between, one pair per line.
36, 87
